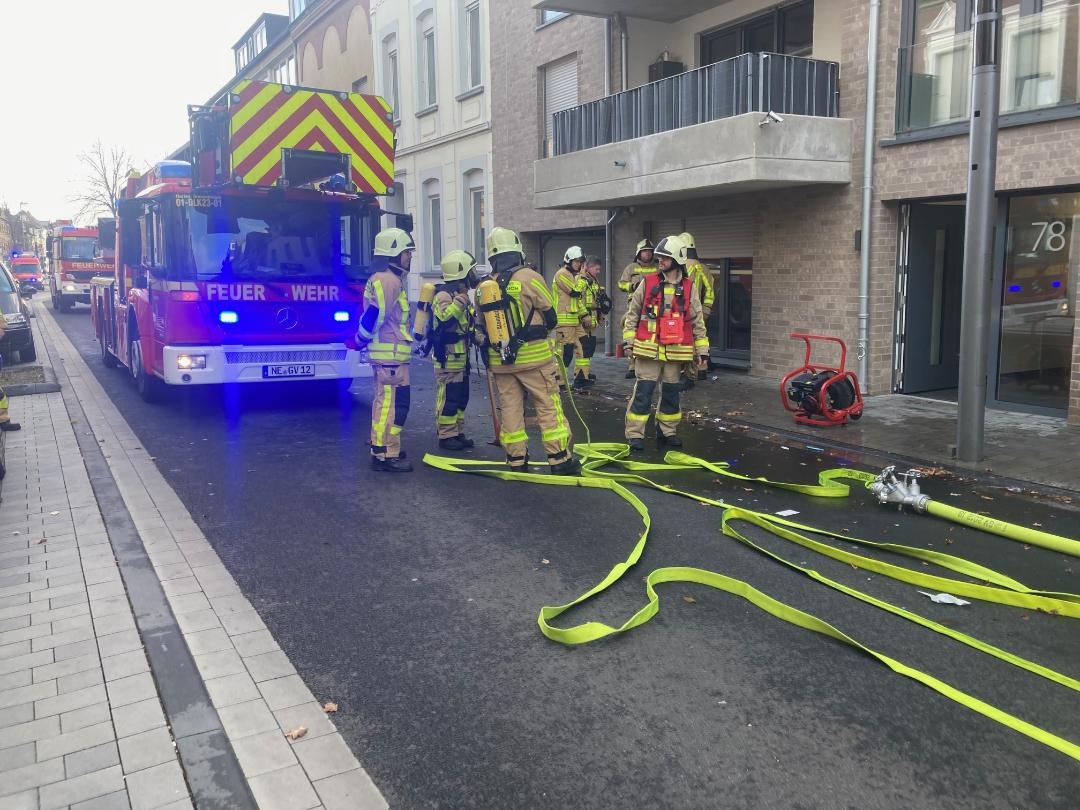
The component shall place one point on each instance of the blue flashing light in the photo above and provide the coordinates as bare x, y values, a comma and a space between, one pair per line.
1015, 288
1055, 284
228, 316
341, 316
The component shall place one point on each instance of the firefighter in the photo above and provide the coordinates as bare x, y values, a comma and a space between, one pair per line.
568, 289
452, 331
664, 324
384, 334
644, 263
702, 279
528, 367
597, 307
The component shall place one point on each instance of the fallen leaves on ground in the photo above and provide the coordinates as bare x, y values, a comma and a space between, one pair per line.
932, 472
296, 733
41, 540
545, 562
330, 708
689, 600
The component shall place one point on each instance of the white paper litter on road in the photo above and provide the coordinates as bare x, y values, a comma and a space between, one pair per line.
945, 598
787, 512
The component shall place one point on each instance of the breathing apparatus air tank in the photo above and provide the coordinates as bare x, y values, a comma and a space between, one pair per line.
423, 311
489, 300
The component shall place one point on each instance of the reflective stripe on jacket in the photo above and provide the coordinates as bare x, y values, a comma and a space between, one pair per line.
390, 341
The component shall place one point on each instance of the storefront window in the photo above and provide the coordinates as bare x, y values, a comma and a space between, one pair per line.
1037, 318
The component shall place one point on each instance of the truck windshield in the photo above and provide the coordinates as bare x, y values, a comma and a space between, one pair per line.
78, 248
263, 239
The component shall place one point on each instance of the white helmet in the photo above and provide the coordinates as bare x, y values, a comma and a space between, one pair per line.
572, 253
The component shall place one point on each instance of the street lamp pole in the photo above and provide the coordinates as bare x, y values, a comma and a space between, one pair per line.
979, 230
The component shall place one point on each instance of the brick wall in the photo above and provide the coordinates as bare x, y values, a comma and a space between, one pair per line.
518, 51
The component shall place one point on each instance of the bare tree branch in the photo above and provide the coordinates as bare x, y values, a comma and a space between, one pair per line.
106, 170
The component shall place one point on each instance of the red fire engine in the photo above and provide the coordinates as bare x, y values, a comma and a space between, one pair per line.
74, 258
247, 265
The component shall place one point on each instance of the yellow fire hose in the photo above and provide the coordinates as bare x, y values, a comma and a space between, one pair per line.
607, 467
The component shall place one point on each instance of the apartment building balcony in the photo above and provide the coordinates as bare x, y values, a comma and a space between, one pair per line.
1040, 72
669, 11
757, 121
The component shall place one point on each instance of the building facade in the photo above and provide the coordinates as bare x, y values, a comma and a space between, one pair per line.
776, 200
431, 62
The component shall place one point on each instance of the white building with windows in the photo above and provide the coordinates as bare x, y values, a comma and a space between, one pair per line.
431, 64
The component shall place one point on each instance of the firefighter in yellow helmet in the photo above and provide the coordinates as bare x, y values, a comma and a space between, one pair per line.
702, 279
568, 288
384, 334
644, 263
597, 307
451, 336
524, 363
664, 324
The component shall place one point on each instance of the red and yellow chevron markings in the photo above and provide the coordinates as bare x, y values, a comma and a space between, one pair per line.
266, 118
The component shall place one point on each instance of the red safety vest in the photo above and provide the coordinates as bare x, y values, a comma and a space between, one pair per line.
665, 329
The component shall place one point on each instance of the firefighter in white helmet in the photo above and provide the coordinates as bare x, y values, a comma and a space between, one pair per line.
699, 274
569, 288
522, 362
452, 335
664, 324
384, 334
643, 264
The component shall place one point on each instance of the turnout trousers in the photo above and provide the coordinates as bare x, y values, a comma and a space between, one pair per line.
542, 387
650, 375
451, 400
568, 344
389, 408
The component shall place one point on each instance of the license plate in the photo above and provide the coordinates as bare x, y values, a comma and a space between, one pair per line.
297, 370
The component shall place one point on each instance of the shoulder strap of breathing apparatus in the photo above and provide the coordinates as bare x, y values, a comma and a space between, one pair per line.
654, 295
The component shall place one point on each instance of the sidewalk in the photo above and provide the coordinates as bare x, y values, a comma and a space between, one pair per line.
1026, 447
133, 671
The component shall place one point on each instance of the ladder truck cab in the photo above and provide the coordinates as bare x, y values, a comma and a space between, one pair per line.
248, 264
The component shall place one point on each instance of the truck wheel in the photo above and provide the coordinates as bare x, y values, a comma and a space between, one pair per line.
28, 354
64, 303
147, 385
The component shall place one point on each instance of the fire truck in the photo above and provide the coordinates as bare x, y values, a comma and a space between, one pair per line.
247, 264
27, 271
74, 259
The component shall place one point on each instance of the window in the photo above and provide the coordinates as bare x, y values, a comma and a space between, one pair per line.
297, 7
259, 39
548, 16
284, 72
360, 85
426, 65
390, 75
434, 223
475, 229
560, 92
787, 30
473, 54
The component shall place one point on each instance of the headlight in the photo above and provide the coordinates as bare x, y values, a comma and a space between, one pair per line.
14, 318
186, 362
70, 288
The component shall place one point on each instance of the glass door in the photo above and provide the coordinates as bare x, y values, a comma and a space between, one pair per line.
730, 320
1035, 348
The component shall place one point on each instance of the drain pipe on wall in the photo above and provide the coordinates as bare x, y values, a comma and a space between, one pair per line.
625, 54
865, 244
609, 284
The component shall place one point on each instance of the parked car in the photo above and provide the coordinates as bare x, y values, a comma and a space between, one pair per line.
18, 336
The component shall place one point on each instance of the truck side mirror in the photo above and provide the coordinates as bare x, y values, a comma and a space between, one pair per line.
130, 242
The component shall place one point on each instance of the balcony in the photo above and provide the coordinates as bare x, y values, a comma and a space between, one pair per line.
1040, 70
701, 133
669, 11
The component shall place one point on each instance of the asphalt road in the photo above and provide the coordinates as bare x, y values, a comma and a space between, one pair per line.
412, 602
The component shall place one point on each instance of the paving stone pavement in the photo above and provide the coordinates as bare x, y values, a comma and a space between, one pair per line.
81, 717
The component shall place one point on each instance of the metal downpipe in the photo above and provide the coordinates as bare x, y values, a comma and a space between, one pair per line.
609, 322
865, 247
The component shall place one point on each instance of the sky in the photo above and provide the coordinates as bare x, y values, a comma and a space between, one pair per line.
122, 71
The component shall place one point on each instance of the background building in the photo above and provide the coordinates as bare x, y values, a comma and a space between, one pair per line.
431, 64
776, 201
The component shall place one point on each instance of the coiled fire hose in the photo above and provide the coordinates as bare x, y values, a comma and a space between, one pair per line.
606, 466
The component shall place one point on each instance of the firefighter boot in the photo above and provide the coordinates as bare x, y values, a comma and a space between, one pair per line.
393, 465
454, 444
668, 441
636, 446
581, 382
466, 442
569, 467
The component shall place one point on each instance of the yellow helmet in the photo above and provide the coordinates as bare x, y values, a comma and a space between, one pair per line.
688, 240
503, 240
456, 265
674, 248
573, 252
644, 244
393, 242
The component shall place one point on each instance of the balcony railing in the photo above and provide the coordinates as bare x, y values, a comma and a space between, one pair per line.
753, 82
1040, 69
